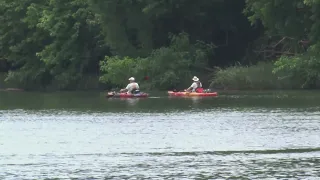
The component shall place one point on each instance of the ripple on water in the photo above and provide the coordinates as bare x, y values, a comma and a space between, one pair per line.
209, 144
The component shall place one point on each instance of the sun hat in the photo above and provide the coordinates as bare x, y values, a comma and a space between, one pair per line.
195, 78
131, 79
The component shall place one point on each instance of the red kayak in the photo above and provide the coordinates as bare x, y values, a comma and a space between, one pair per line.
172, 93
125, 95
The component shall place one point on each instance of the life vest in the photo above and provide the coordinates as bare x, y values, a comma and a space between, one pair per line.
199, 89
134, 90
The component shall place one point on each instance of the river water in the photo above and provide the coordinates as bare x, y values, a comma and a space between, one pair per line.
249, 135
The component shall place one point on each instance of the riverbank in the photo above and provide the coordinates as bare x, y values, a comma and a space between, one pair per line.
257, 77
86, 83
233, 78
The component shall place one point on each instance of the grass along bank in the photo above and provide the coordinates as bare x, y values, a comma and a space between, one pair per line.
87, 82
255, 77
4, 84
237, 77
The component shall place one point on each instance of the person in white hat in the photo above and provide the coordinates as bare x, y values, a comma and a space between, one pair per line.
131, 87
195, 85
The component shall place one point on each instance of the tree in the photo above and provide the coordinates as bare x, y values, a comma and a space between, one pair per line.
55, 41
298, 20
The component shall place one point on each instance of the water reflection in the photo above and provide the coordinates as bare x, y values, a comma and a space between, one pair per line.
131, 101
196, 100
193, 99
97, 102
128, 101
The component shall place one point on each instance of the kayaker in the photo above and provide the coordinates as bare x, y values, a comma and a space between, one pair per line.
196, 86
131, 87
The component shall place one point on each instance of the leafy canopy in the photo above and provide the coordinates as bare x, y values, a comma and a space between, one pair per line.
168, 67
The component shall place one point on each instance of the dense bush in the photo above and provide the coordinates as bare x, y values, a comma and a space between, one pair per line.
167, 67
259, 76
304, 69
59, 44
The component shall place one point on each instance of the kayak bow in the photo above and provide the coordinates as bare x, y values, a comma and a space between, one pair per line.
172, 93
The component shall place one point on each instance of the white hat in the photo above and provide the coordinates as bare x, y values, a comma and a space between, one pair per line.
131, 79
195, 78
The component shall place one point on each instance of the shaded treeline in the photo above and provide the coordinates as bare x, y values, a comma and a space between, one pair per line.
58, 44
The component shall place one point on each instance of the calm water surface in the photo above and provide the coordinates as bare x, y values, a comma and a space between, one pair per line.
266, 135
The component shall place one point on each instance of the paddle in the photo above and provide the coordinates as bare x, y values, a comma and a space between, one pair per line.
175, 90
204, 91
185, 91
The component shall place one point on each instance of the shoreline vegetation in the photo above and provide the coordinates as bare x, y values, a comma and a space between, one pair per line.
86, 45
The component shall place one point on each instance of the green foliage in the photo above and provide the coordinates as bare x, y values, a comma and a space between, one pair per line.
257, 76
125, 27
19, 42
75, 33
4, 84
136, 28
49, 40
304, 69
280, 17
118, 70
60, 43
168, 67
297, 19
174, 65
